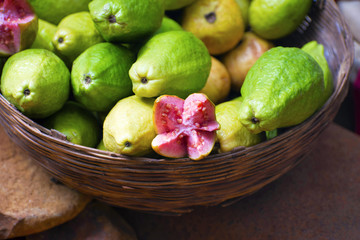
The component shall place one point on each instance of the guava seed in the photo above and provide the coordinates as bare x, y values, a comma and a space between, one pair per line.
144, 80
210, 17
60, 40
26, 92
254, 120
127, 144
112, 19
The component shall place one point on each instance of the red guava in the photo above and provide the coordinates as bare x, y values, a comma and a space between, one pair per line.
18, 26
184, 127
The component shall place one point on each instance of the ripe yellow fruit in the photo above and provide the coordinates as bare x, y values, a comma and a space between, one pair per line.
218, 23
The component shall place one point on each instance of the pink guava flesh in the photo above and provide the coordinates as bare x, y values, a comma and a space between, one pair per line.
184, 127
16, 16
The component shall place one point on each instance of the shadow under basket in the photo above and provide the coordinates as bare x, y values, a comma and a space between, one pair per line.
176, 186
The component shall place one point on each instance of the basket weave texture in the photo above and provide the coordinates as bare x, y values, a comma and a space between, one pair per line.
176, 186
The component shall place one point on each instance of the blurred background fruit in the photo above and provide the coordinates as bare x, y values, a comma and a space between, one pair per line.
273, 19
244, 7
218, 23
217, 87
54, 10
177, 4
239, 60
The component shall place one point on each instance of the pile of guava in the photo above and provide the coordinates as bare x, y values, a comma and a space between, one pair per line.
161, 79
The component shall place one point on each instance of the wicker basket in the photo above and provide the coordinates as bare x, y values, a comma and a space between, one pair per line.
176, 186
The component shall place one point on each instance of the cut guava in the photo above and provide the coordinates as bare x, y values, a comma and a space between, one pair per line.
18, 26
184, 127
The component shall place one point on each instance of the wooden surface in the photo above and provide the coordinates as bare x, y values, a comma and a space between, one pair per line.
318, 199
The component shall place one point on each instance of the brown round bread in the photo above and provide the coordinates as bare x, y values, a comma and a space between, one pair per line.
30, 200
